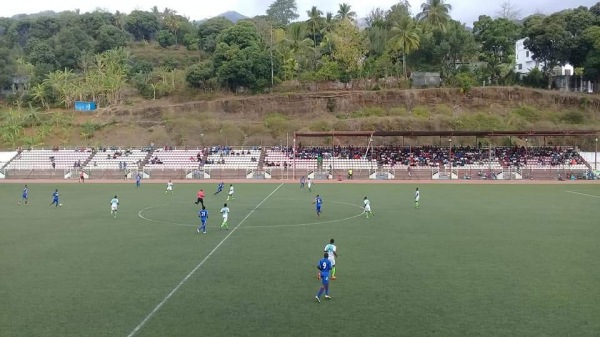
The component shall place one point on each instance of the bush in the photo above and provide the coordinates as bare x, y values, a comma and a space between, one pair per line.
535, 79
278, 124
573, 117
465, 81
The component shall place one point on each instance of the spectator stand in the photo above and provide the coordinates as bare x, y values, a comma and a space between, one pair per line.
117, 163
177, 163
483, 159
5, 159
47, 163
227, 162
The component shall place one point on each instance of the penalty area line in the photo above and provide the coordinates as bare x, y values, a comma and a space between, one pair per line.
169, 295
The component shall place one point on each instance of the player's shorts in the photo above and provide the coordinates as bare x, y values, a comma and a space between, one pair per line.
203, 221
324, 278
416, 199
224, 218
55, 201
25, 196
332, 262
318, 208
367, 208
230, 193
169, 188
113, 207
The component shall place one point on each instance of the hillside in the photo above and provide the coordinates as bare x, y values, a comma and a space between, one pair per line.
270, 119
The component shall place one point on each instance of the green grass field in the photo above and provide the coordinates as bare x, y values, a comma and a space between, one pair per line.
474, 260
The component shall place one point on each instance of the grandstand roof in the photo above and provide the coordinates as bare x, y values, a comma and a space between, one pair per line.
497, 133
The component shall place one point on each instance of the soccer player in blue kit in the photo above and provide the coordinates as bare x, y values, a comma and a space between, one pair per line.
203, 215
55, 199
318, 201
219, 188
324, 266
24, 196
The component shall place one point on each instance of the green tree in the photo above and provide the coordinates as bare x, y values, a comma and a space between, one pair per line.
198, 75
300, 47
42, 53
397, 12
345, 12
44, 27
110, 37
91, 22
142, 25
69, 46
314, 21
591, 36
405, 37
349, 47
7, 68
435, 13
209, 30
497, 40
283, 11
165, 38
577, 22
549, 41
240, 60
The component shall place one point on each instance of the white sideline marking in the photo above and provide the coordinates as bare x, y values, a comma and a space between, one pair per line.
164, 300
584, 194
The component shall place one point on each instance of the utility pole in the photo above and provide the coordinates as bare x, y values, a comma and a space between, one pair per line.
272, 58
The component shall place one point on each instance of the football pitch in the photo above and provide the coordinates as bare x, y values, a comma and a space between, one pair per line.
473, 260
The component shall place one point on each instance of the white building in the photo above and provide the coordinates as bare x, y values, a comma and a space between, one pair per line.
525, 63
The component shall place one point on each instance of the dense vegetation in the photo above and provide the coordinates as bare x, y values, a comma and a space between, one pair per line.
58, 58
96, 56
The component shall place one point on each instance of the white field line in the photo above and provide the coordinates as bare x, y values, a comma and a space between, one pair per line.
317, 222
169, 295
140, 214
584, 194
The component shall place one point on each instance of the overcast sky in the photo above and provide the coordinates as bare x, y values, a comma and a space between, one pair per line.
466, 11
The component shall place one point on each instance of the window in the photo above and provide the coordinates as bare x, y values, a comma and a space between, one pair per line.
527, 53
520, 66
567, 72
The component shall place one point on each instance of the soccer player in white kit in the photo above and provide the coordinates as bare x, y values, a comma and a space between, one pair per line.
225, 214
417, 195
169, 187
114, 204
367, 209
310, 183
331, 250
230, 195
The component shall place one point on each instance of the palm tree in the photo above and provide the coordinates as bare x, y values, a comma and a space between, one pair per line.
314, 22
345, 12
436, 13
299, 45
405, 36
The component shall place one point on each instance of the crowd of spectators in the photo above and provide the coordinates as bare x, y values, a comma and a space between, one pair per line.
433, 156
